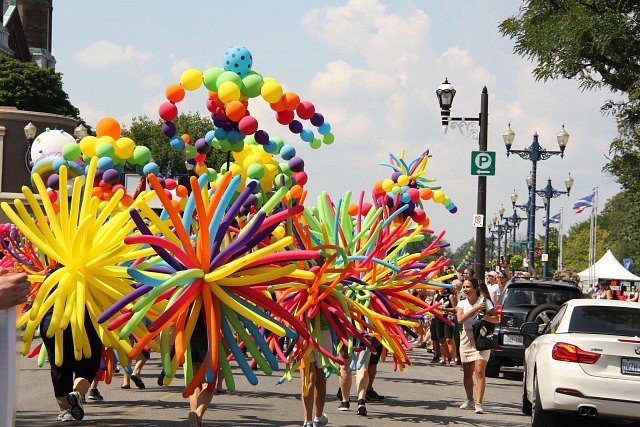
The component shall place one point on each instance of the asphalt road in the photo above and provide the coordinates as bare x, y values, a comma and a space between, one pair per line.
422, 394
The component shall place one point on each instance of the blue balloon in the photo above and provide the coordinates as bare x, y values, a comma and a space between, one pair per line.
139, 170
287, 152
234, 136
177, 143
238, 59
105, 163
324, 128
270, 147
405, 198
220, 134
210, 136
150, 168
306, 135
119, 168
57, 163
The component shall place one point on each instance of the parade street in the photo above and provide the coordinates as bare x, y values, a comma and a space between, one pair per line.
422, 394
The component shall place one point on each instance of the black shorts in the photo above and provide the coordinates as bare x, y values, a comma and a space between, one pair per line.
199, 341
375, 357
62, 376
433, 329
443, 330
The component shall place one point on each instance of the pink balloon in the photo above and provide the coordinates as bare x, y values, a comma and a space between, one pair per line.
248, 125
168, 111
306, 110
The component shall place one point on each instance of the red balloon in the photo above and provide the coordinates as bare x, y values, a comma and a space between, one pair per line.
221, 114
285, 117
366, 207
168, 111
53, 195
211, 105
301, 178
306, 110
200, 158
118, 187
248, 125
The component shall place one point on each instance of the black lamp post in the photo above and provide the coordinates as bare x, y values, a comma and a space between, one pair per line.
534, 153
445, 94
30, 132
547, 194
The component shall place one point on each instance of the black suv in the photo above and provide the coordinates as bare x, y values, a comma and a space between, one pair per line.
525, 300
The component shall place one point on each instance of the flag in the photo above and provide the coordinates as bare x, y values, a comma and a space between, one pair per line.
583, 203
555, 219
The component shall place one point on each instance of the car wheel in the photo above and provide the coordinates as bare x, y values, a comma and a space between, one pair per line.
493, 368
542, 314
526, 405
540, 417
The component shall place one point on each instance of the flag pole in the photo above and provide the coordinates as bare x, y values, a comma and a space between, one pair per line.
560, 230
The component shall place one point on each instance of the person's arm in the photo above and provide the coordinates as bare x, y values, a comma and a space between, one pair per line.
463, 317
14, 289
534, 273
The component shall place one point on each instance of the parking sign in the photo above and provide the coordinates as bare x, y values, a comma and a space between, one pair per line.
483, 163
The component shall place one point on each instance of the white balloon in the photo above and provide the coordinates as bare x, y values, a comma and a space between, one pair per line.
48, 143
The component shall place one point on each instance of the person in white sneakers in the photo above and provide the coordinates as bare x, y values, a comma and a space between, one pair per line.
474, 361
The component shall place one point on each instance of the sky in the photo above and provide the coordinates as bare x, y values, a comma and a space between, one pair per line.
371, 68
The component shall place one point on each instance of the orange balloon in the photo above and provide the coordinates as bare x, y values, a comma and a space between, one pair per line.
426, 193
201, 168
175, 92
426, 222
235, 110
281, 105
291, 100
186, 138
97, 191
215, 98
108, 127
353, 209
127, 200
296, 191
378, 186
181, 191
176, 205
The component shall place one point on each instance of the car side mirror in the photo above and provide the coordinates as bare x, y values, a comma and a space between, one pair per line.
530, 328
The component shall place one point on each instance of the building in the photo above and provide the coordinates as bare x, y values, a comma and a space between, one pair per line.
26, 31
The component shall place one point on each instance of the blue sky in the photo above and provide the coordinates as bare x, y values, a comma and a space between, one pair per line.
371, 67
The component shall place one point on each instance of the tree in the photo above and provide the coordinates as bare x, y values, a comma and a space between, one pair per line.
464, 254
148, 132
26, 86
576, 246
415, 247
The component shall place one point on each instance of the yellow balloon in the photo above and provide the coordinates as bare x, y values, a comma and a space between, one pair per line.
125, 147
228, 91
387, 185
108, 139
438, 196
271, 91
191, 79
403, 180
88, 145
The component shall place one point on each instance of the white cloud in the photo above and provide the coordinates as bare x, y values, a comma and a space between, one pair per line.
153, 81
178, 65
105, 54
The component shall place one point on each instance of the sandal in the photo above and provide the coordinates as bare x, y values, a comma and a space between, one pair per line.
125, 387
138, 382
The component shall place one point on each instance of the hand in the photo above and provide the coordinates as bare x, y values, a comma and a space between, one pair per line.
14, 289
481, 306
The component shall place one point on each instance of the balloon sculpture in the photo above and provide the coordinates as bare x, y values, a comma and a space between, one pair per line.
239, 258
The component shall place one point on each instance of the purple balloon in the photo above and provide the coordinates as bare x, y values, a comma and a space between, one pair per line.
169, 129
454, 210
216, 120
202, 147
53, 181
226, 125
111, 176
395, 176
296, 164
192, 161
295, 126
261, 137
317, 119
160, 180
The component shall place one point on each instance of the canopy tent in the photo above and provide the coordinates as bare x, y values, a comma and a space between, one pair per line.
609, 268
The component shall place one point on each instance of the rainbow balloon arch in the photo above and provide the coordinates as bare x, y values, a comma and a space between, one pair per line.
234, 261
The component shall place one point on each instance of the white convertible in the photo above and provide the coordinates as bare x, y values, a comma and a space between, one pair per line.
585, 361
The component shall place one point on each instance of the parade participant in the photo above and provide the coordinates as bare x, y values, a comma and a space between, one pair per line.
14, 289
445, 330
374, 359
362, 380
473, 360
314, 392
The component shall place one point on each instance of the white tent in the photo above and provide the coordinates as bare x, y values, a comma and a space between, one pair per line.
609, 268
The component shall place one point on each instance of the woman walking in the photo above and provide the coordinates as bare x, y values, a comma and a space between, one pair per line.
473, 360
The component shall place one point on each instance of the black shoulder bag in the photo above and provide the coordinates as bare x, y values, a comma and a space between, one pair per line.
483, 335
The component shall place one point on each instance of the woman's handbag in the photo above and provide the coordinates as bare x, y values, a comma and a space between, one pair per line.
483, 335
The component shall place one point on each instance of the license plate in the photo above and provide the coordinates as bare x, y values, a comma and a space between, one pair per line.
630, 366
512, 339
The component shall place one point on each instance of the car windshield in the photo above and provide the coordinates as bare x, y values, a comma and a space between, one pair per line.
624, 321
518, 297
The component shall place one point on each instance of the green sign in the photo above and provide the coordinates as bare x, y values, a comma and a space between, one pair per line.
483, 163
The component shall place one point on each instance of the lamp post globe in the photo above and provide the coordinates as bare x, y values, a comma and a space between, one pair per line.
529, 181
563, 140
508, 136
501, 211
568, 182
80, 132
30, 131
514, 197
445, 93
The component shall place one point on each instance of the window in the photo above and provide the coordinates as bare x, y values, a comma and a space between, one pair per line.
552, 327
519, 297
624, 321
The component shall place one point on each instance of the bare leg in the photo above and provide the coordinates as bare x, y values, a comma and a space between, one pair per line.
94, 384
321, 392
442, 346
481, 382
308, 392
373, 370
81, 385
468, 369
362, 374
345, 377
63, 403
193, 399
202, 402
452, 350
138, 367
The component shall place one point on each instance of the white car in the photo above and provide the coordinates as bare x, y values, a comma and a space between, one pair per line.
586, 361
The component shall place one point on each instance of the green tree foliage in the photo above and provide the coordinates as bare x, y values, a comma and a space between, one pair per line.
464, 254
26, 86
576, 246
148, 132
415, 247
516, 263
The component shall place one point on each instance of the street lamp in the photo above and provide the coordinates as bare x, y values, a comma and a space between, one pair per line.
547, 194
30, 131
445, 94
534, 153
80, 132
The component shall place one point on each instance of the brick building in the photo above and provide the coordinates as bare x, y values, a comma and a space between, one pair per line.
26, 31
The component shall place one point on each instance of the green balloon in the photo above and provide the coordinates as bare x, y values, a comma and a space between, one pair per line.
255, 171
260, 200
71, 151
190, 151
251, 85
141, 155
315, 143
250, 140
215, 144
104, 149
237, 146
212, 174
282, 180
86, 159
225, 145
446, 201
283, 167
210, 78
279, 143
229, 76
328, 138
223, 168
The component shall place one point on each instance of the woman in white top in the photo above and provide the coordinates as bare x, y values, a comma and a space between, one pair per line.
473, 361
